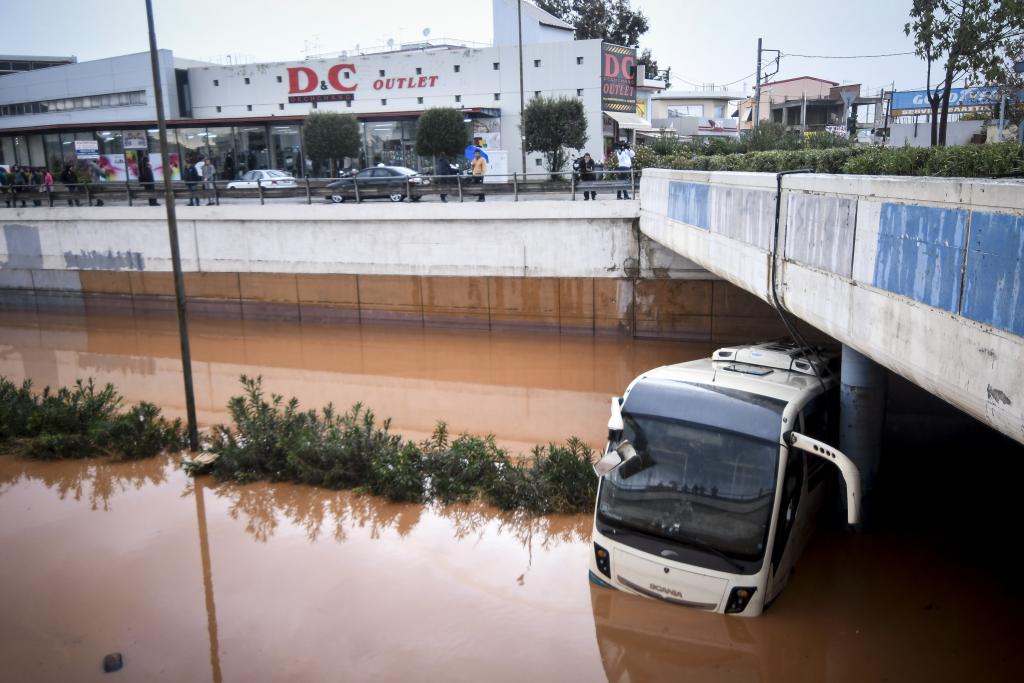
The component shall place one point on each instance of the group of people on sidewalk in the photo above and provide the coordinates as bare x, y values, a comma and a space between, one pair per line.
444, 168
587, 169
21, 181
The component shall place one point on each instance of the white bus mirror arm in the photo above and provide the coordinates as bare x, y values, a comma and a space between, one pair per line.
615, 420
849, 470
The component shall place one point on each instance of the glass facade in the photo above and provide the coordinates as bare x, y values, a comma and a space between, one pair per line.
233, 149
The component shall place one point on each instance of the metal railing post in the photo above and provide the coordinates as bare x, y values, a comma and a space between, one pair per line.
49, 196
355, 185
309, 197
408, 189
88, 194
572, 185
515, 185
259, 188
632, 182
128, 191
458, 179
216, 195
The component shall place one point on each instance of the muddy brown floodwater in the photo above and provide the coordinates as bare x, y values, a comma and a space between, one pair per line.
193, 580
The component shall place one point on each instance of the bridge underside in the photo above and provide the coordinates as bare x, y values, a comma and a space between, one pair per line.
924, 276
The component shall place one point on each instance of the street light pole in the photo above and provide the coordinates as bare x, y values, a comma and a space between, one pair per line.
522, 98
757, 88
172, 228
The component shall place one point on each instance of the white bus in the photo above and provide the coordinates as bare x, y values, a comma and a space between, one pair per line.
713, 475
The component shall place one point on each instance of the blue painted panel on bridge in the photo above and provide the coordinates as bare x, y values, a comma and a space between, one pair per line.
994, 289
920, 253
690, 203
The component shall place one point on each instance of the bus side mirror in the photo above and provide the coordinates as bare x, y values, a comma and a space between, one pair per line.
851, 475
614, 457
615, 425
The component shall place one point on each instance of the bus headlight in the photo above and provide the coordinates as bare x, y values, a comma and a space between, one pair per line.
604, 560
738, 599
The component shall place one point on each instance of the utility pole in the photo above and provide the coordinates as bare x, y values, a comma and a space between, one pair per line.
172, 228
522, 99
757, 88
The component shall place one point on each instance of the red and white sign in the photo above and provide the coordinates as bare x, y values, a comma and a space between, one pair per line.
339, 84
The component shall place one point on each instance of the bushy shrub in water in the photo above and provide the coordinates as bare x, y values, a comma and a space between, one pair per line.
81, 421
272, 439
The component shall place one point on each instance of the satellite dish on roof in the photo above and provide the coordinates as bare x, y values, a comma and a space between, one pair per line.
426, 32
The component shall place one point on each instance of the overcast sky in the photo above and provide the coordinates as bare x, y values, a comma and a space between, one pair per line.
704, 42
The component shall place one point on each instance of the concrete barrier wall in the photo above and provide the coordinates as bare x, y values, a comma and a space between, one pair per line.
924, 275
570, 266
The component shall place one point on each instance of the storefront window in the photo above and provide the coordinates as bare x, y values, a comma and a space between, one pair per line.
35, 151
286, 141
20, 150
7, 151
156, 157
253, 152
384, 143
193, 143
221, 144
54, 152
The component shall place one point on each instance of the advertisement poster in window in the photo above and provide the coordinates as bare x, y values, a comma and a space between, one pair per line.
87, 149
109, 168
135, 139
618, 78
156, 162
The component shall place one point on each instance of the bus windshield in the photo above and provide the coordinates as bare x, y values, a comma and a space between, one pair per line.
694, 484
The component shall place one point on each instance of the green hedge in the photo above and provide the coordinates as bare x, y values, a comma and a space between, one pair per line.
963, 161
272, 439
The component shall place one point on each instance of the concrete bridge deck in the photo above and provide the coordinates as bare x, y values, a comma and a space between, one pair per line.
924, 276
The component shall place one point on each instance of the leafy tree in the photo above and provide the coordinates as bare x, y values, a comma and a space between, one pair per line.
441, 131
977, 38
613, 21
329, 137
551, 125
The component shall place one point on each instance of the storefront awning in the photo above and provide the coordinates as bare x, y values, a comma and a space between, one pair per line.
631, 121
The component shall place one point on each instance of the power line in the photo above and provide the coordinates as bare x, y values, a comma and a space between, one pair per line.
889, 54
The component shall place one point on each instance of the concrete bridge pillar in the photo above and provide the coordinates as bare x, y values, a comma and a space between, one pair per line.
862, 418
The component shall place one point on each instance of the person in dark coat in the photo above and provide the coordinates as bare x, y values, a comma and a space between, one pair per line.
70, 180
23, 182
587, 175
192, 181
146, 180
444, 169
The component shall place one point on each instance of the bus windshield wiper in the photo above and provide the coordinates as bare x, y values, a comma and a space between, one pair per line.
703, 545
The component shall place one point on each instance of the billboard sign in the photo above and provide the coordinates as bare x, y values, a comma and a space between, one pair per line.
960, 99
618, 78
87, 149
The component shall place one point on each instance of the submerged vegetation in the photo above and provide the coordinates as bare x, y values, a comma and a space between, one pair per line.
272, 439
81, 421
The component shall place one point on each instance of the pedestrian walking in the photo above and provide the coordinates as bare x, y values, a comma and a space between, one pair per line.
37, 187
146, 180
23, 183
70, 180
625, 158
479, 170
587, 175
192, 182
209, 173
444, 170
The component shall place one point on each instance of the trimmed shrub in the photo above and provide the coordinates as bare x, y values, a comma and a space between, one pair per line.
81, 421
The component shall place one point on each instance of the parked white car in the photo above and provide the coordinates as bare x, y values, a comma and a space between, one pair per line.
265, 177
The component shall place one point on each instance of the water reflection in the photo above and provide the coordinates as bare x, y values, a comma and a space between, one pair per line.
524, 388
318, 512
96, 481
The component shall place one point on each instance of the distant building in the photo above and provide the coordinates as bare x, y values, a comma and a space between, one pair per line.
692, 114
808, 104
13, 64
250, 116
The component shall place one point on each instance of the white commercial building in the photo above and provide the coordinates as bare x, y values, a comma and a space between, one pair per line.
248, 116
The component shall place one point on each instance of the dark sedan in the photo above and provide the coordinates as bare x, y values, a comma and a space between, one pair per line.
390, 182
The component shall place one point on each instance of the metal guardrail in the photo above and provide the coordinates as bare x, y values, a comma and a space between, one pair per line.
568, 185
